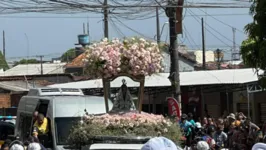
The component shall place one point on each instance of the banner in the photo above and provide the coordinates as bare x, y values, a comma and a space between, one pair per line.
173, 107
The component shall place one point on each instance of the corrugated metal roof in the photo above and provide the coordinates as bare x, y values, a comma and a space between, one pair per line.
33, 69
231, 76
12, 88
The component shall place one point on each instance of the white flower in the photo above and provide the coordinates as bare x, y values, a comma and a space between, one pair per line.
165, 130
131, 124
105, 40
142, 40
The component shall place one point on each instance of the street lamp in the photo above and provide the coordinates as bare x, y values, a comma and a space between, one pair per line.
161, 30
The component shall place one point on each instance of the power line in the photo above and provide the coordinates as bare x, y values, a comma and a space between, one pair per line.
209, 30
132, 29
189, 36
221, 21
85, 17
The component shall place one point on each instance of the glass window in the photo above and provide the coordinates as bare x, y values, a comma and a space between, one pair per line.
63, 127
25, 125
6, 129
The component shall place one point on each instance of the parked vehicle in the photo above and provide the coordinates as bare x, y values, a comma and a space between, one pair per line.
6, 130
62, 106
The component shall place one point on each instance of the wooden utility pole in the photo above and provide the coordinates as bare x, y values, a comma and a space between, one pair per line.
203, 45
158, 33
234, 52
41, 61
106, 31
171, 13
4, 45
84, 28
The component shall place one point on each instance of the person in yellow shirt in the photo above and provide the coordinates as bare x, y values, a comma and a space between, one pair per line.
41, 130
41, 124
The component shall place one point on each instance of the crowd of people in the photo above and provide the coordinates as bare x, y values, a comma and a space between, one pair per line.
234, 132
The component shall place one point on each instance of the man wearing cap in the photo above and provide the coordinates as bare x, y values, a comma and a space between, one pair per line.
202, 145
232, 120
160, 143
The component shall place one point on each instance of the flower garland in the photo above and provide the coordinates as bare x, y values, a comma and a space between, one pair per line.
134, 56
127, 124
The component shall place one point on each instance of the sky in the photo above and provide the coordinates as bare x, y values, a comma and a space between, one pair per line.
52, 34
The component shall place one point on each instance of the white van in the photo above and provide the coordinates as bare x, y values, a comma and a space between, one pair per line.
62, 107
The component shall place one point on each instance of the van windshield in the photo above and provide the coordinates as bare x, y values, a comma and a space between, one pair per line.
63, 127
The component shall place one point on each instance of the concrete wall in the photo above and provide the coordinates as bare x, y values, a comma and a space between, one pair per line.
184, 64
208, 54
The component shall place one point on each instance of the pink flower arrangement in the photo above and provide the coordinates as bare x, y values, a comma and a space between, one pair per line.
133, 56
130, 119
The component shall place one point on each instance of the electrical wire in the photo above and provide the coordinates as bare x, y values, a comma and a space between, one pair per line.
221, 21
118, 31
209, 30
189, 37
132, 29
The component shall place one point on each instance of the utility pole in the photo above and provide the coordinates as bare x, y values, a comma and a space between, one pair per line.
106, 31
88, 28
41, 60
234, 45
84, 28
171, 13
158, 26
203, 45
4, 45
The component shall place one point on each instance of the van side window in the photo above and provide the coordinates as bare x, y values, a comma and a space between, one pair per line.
25, 125
43, 108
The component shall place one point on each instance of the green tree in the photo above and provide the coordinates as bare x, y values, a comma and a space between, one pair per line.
25, 61
253, 49
69, 55
3, 63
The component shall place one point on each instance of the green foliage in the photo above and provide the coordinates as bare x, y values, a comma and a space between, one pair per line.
3, 63
25, 61
253, 49
85, 133
69, 55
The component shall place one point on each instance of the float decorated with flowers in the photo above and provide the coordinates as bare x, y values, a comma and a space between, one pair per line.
134, 58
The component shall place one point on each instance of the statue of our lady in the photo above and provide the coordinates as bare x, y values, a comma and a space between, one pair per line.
123, 102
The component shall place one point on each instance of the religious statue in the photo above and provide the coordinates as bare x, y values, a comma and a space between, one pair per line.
124, 100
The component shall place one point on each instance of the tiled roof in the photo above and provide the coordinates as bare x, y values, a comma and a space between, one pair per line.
78, 61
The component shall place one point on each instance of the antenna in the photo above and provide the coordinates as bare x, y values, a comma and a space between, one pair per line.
84, 30
88, 28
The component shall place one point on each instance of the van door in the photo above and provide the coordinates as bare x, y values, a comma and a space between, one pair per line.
41, 107
25, 125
